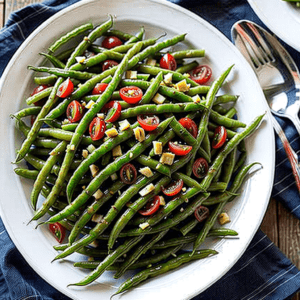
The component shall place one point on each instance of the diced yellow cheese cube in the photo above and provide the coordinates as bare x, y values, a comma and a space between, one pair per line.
158, 98
150, 62
94, 170
90, 104
168, 78
146, 171
196, 98
139, 134
97, 218
144, 225
167, 158
223, 218
123, 125
111, 132
157, 147
85, 153
131, 75
98, 194
117, 151
146, 190
182, 86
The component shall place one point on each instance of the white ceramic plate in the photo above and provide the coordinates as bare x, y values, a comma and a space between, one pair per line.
283, 18
246, 212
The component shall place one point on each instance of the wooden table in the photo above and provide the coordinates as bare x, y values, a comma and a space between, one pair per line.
278, 224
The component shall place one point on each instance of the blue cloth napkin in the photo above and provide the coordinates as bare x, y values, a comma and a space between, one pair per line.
263, 272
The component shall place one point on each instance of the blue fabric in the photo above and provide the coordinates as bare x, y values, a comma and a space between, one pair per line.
263, 272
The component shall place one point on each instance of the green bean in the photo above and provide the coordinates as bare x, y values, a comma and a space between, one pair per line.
204, 154
231, 112
175, 76
189, 238
227, 122
240, 162
145, 262
54, 60
163, 268
70, 35
225, 99
120, 34
210, 97
56, 153
92, 209
188, 227
227, 149
231, 193
140, 250
227, 168
137, 37
106, 158
187, 67
92, 252
201, 89
160, 109
132, 210
45, 80
152, 89
205, 144
69, 126
95, 155
37, 97
109, 260
191, 53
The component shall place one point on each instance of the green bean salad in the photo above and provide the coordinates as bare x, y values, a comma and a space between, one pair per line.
133, 149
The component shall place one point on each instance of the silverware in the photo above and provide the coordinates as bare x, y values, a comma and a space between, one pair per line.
274, 67
277, 74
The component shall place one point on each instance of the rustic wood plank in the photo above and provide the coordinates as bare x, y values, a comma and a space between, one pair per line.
270, 221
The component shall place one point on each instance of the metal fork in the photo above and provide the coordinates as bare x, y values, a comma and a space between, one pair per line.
275, 69
259, 52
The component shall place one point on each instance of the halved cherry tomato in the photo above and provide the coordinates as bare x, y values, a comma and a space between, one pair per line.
151, 207
99, 88
190, 126
201, 213
74, 111
148, 122
201, 74
200, 167
36, 91
109, 63
58, 231
111, 42
168, 62
179, 149
97, 129
128, 173
173, 188
65, 89
39, 89
131, 94
113, 109
219, 137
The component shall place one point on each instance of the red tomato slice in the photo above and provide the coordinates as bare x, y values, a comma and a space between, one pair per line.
111, 42
74, 111
190, 126
201, 74
201, 213
58, 231
113, 109
168, 62
219, 137
179, 149
200, 167
99, 88
131, 94
39, 89
65, 89
109, 63
148, 122
151, 207
97, 129
128, 173
173, 189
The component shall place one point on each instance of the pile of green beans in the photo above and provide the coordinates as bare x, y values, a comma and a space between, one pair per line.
121, 239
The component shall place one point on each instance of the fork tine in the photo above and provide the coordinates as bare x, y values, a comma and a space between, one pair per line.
248, 46
261, 40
